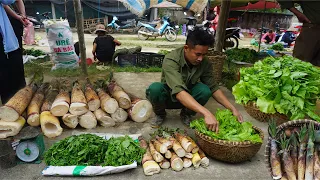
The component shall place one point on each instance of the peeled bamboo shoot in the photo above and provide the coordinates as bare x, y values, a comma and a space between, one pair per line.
188, 155
140, 110
168, 154
196, 160
204, 160
120, 115
165, 164
104, 118
12, 110
185, 143
118, 93
60, 106
108, 104
150, 167
155, 154
187, 162
165, 142
70, 120
177, 147
176, 162
11, 128
50, 125
78, 101
159, 146
194, 145
92, 98
88, 120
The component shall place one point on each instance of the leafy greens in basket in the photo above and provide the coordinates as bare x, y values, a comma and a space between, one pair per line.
285, 85
230, 128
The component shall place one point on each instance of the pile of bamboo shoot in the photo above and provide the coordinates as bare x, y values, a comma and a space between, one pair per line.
294, 152
73, 105
178, 151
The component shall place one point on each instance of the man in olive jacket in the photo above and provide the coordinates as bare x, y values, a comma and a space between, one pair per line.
187, 82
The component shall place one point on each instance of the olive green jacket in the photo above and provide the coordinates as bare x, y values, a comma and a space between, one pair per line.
179, 76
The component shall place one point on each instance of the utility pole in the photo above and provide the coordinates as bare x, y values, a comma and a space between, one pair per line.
222, 24
53, 9
65, 9
82, 46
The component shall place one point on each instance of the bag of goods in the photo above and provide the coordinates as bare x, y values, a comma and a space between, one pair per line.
61, 44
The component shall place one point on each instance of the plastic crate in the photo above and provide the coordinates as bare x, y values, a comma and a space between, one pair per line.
127, 60
148, 59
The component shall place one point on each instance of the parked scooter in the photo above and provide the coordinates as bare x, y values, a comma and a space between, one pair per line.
129, 25
147, 30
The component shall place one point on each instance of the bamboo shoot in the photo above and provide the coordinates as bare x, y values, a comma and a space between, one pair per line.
168, 154
12, 110
70, 120
118, 93
78, 101
108, 104
88, 120
50, 125
194, 145
8, 129
176, 162
92, 98
159, 146
187, 162
104, 119
196, 160
120, 115
165, 164
188, 155
150, 167
60, 106
155, 154
185, 143
165, 141
140, 110
35, 106
177, 147
204, 160
316, 174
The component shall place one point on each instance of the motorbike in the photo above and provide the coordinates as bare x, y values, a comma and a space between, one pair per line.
149, 30
129, 25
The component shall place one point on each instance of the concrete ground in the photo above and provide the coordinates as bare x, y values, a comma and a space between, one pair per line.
136, 83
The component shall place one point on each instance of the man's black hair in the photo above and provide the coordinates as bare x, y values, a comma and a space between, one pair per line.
199, 36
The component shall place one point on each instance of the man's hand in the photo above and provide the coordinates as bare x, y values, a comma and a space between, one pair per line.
211, 122
238, 115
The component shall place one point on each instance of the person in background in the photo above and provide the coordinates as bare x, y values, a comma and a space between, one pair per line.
307, 45
288, 37
103, 45
269, 37
11, 62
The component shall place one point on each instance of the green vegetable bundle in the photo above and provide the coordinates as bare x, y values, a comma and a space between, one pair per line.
163, 52
285, 85
229, 128
92, 150
277, 47
33, 52
242, 55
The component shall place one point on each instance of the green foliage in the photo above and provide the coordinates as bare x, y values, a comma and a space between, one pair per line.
242, 55
285, 85
33, 52
92, 150
277, 47
163, 52
229, 128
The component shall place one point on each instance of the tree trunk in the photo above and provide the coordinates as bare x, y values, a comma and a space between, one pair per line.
222, 23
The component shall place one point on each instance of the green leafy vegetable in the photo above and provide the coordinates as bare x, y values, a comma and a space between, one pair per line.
229, 128
242, 55
285, 85
33, 52
92, 150
277, 47
123, 151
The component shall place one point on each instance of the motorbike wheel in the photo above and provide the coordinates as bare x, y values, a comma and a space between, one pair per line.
142, 36
233, 41
110, 30
170, 35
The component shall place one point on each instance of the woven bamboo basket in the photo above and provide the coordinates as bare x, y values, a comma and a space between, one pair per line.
280, 129
217, 59
254, 112
228, 151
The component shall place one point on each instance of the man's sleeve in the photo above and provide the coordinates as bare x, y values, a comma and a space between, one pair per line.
7, 2
208, 79
286, 4
173, 77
